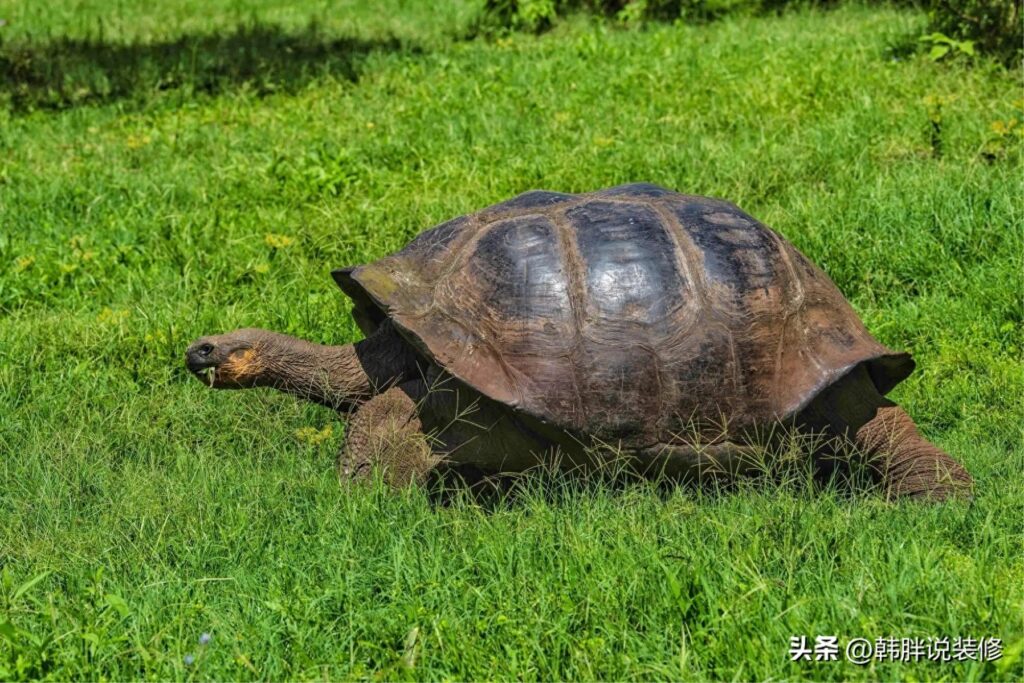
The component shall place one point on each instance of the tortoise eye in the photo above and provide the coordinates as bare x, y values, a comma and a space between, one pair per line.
205, 350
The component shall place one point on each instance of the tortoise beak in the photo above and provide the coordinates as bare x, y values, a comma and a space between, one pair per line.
202, 358
200, 355
223, 361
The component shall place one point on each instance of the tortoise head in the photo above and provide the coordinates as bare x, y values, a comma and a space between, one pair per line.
234, 360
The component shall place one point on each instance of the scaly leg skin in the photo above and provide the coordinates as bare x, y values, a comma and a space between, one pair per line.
386, 434
908, 464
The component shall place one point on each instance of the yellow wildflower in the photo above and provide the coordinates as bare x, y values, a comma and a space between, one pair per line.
314, 436
110, 315
275, 241
137, 141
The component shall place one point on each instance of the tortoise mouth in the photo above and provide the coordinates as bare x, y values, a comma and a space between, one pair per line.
203, 368
206, 375
221, 363
225, 374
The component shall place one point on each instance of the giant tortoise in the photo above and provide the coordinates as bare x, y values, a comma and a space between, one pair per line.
674, 328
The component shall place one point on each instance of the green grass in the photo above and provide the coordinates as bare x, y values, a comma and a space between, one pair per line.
148, 150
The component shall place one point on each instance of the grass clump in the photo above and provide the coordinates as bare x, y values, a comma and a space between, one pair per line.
141, 510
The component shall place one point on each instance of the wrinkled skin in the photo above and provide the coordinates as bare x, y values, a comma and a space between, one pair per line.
341, 377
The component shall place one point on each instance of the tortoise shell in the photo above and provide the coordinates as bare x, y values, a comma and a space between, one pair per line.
628, 315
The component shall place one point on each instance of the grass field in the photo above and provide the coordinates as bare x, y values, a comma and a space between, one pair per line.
178, 168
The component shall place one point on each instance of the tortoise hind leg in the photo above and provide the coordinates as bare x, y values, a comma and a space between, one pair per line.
904, 462
386, 433
908, 464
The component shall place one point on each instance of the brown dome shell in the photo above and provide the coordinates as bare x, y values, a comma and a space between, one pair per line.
630, 314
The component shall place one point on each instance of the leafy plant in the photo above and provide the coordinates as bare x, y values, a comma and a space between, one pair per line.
992, 26
943, 46
1006, 136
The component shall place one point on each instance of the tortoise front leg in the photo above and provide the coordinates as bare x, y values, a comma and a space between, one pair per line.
386, 434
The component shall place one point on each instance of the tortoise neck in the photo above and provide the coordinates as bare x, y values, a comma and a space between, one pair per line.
341, 377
